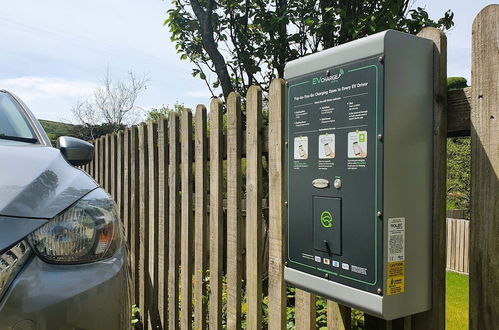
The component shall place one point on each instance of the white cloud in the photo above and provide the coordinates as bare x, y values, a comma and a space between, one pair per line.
32, 88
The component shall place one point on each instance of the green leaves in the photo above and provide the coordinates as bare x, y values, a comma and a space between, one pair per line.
256, 38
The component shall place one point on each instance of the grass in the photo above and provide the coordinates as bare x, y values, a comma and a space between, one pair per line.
456, 314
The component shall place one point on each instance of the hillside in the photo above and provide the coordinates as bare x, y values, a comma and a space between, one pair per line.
55, 129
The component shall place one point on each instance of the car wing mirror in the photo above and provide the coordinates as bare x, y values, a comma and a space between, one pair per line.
77, 152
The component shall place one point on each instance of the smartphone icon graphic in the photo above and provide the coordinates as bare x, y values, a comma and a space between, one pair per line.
302, 152
327, 150
357, 144
356, 149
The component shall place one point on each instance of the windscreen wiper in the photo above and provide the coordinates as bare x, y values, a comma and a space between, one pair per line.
18, 138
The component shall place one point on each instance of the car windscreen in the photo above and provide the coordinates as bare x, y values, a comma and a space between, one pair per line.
13, 122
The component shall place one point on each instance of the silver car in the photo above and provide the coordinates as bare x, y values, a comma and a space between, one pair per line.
63, 262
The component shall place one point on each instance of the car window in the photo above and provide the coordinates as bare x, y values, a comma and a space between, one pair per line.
13, 122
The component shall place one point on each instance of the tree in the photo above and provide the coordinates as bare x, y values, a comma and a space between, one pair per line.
454, 83
111, 106
249, 42
458, 163
164, 111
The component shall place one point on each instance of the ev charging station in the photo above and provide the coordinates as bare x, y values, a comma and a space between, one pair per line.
359, 136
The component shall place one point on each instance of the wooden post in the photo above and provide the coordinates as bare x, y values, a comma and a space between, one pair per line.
152, 238
277, 286
186, 221
234, 224
200, 219
435, 318
484, 225
304, 310
338, 317
143, 226
254, 208
216, 215
163, 221
174, 222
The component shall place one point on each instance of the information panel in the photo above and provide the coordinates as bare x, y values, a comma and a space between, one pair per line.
334, 162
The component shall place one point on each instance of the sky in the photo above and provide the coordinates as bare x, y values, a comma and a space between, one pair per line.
55, 52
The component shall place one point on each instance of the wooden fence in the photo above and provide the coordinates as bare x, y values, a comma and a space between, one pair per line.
458, 233
168, 180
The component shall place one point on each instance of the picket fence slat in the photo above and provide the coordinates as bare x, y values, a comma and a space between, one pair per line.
304, 310
216, 215
163, 195
234, 224
338, 316
119, 174
277, 286
152, 237
107, 163
467, 248
254, 208
112, 164
144, 285
460, 254
134, 208
200, 219
97, 154
102, 154
186, 220
174, 223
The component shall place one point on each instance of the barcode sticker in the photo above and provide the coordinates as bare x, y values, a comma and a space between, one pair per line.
396, 239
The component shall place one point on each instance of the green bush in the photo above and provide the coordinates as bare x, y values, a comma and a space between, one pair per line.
456, 83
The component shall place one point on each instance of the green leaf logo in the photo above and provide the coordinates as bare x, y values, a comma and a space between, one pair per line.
326, 219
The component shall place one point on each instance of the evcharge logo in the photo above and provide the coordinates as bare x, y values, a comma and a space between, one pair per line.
321, 80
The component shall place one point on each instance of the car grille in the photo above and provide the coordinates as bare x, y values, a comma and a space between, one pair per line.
11, 262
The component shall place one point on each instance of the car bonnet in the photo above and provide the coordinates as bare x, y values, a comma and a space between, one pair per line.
36, 183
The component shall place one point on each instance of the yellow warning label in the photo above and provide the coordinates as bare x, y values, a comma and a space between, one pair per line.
395, 278
395, 285
396, 268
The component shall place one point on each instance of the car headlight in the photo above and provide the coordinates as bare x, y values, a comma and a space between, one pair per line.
89, 230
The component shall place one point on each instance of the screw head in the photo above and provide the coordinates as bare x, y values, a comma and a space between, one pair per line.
381, 59
337, 183
285, 263
287, 83
328, 73
380, 137
286, 203
379, 214
379, 291
326, 275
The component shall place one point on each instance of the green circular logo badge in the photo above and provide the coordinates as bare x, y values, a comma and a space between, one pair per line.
326, 219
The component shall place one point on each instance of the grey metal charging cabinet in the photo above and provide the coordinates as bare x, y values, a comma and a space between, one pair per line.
359, 121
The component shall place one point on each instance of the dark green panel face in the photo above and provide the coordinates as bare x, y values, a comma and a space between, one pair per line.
333, 169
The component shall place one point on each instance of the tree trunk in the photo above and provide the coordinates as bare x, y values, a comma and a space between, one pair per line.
210, 45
